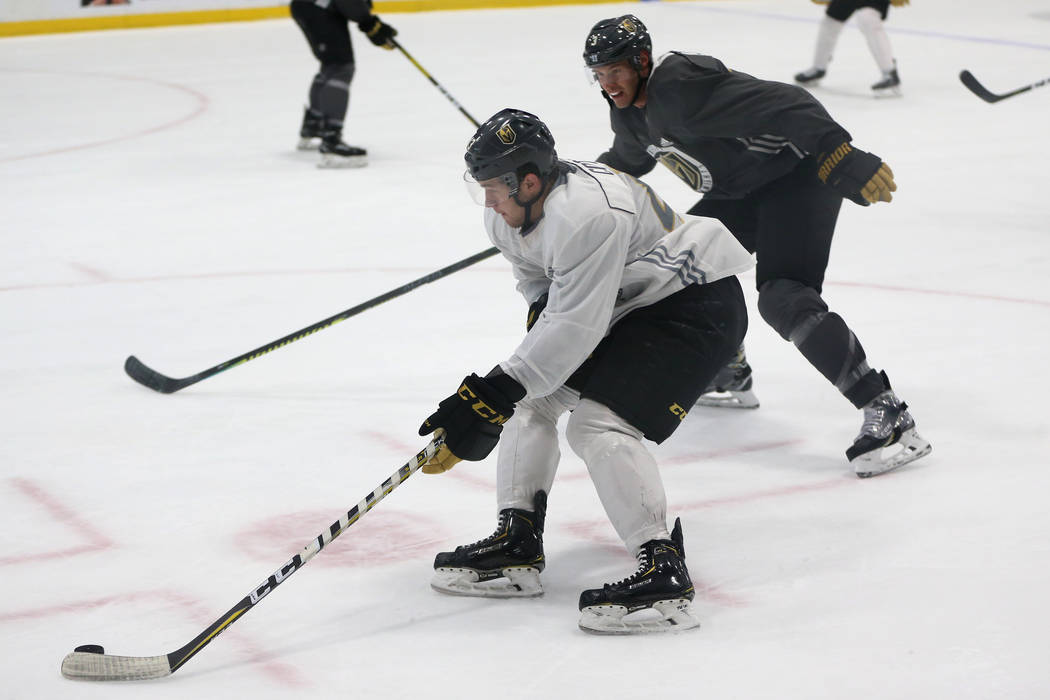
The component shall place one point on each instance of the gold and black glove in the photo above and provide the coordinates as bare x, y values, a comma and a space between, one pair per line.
859, 176
471, 419
378, 33
535, 309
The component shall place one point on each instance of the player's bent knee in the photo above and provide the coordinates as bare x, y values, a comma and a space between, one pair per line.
867, 19
786, 305
595, 427
338, 72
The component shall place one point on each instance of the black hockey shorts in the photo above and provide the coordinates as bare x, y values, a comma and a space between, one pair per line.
327, 32
657, 360
788, 224
842, 9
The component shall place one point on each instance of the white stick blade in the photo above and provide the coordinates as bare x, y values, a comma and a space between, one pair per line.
84, 666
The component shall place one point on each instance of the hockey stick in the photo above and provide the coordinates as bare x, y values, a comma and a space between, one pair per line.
987, 95
436, 83
90, 662
153, 379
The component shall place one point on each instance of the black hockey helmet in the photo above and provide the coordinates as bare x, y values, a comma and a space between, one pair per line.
617, 39
511, 144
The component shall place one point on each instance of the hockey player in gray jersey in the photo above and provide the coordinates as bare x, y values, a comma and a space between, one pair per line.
324, 23
633, 308
774, 167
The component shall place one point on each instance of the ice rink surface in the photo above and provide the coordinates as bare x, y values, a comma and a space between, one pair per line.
152, 203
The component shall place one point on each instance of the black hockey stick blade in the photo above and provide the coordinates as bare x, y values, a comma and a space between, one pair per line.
151, 378
974, 86
89, 662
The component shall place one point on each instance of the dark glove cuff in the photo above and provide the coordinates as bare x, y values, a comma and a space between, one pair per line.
368, 23
847, 170
508, 386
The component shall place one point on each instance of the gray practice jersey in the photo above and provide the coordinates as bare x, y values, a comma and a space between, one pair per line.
605, 245
723, 132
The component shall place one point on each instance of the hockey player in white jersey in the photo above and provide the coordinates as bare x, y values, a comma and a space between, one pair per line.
633, 308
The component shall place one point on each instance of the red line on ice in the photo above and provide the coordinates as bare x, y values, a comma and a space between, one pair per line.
282, 672
201, 106
488, 269
62, 514
460, 473
762, 495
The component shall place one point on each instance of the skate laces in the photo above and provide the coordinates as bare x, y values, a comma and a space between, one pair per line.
501, 527
738, 362
881, 415
643, 567
646, 562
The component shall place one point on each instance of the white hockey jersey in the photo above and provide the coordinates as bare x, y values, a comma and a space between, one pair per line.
605, 245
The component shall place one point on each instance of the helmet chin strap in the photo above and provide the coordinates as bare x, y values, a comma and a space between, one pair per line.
638, 89
527, 206
642, 80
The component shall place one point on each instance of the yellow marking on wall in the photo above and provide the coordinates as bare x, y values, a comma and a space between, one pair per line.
164, 19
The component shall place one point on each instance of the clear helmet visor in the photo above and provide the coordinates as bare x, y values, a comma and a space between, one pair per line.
493, 191
617, 73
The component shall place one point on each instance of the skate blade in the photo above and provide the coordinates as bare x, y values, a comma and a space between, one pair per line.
308, 144
518, 582
909, 448
664, 616
729, 399
884, 93
330, 162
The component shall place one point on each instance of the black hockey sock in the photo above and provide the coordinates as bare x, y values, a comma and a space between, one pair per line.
832, 348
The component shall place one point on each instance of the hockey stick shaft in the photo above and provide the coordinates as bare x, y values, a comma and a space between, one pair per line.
987, 95
436, 84
153, 379
105, 667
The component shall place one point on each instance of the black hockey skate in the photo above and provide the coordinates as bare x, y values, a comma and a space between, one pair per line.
336, 154
660, 584
731, 387
506, 564
311, 130
887, 439
810, 76
889, 86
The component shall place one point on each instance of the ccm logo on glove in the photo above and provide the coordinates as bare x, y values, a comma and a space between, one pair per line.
487, 413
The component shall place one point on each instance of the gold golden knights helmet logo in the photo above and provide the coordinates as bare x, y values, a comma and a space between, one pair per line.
506, 134
629, 25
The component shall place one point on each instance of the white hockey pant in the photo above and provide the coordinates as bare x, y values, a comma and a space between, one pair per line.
869, 21
623, 471
827, 38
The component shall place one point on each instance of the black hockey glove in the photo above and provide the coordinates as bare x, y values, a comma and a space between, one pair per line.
857, 175
378, 33
472, 419
535, 309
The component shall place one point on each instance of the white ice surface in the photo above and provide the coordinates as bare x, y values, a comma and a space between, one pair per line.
151, 203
